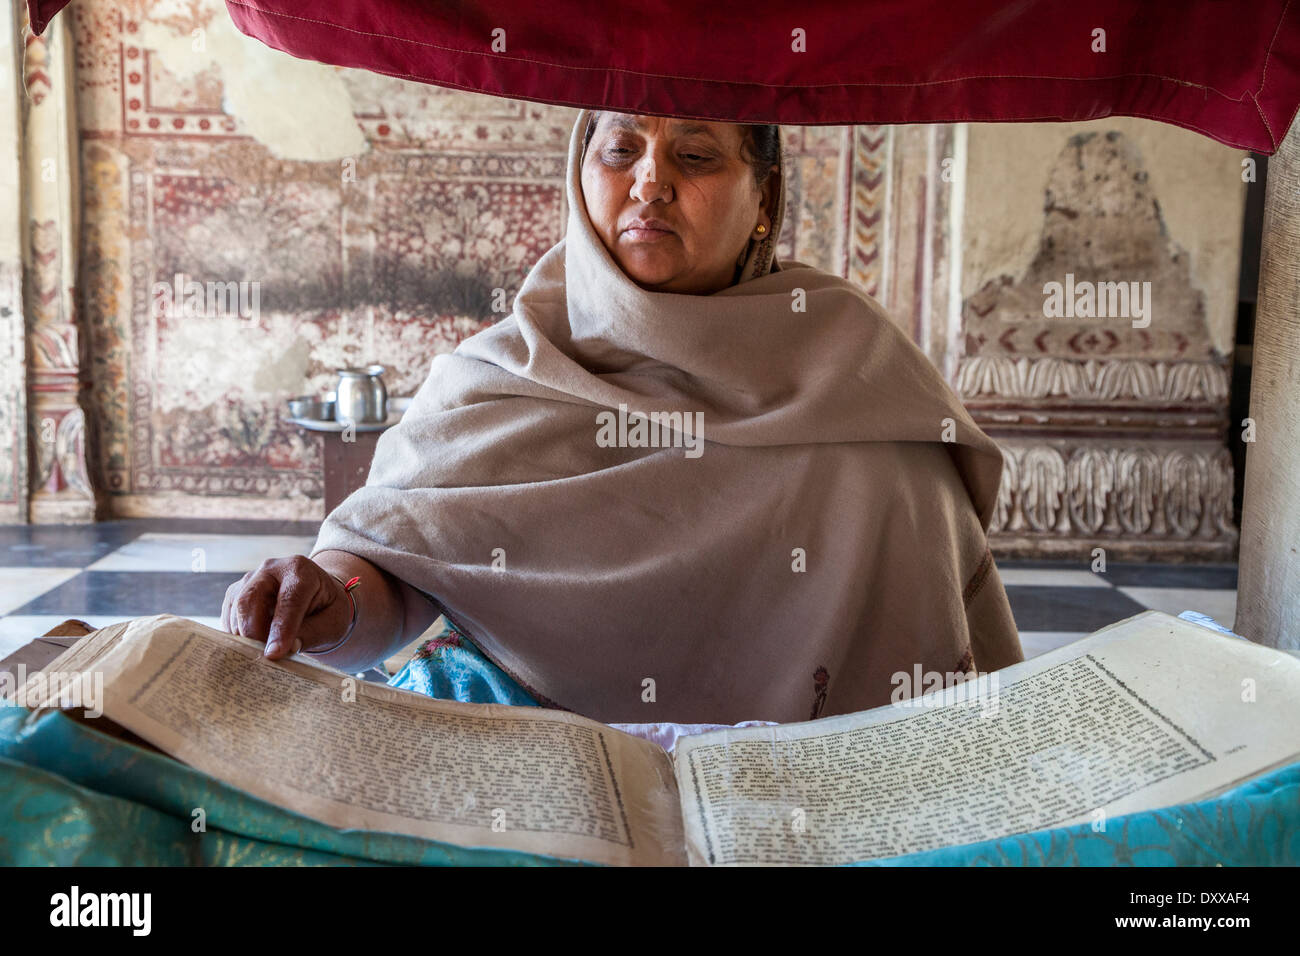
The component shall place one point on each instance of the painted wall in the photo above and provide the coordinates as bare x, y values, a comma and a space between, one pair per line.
375, 216
374, 219
1192, 187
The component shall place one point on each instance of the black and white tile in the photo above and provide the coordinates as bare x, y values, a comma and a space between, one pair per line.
1055, 603
116, 570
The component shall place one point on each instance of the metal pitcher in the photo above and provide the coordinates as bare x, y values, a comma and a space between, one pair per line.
361, 396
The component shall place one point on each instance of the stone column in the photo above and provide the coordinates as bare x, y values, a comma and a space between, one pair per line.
13, 357
1268, 584
57, 377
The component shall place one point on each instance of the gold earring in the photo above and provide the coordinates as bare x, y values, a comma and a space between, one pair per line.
761, 228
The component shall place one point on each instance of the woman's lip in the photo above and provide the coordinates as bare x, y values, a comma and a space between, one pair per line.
647, 235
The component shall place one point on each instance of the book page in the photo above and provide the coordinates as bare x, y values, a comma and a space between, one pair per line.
81, 655
80, 698
360, 755
1149, 712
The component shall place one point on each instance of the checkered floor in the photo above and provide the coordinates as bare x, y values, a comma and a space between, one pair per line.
112, 571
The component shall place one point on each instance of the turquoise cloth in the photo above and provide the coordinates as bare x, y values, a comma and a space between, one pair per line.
70, 794
450, 667
73, 795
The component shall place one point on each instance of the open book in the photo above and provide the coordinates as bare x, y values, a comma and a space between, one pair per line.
1148, 712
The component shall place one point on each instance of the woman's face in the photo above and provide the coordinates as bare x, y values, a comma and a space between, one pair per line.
689, 175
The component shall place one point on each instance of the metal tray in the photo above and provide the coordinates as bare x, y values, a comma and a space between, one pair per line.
397, 406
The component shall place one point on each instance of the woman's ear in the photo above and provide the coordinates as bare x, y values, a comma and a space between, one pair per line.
770, 191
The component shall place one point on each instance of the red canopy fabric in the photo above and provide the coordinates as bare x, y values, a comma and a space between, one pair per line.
1229, 70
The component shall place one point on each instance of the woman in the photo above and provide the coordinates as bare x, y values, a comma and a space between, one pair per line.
680, 482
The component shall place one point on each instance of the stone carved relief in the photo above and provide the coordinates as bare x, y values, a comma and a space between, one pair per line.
59, 450
1113, 435
1095, 492
1147, 381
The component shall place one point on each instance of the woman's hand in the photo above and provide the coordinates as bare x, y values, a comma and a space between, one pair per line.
291, 604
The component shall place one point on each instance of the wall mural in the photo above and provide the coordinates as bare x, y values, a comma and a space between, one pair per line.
387, 251
251, 222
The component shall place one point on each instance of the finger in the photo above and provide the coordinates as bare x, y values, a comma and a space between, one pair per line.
227, 605
297, 594
255, 604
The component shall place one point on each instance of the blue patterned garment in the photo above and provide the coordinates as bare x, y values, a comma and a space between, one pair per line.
449, 667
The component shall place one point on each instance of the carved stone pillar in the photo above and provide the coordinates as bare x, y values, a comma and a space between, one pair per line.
13, 358
60, 488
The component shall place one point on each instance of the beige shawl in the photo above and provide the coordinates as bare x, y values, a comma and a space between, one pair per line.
823, 538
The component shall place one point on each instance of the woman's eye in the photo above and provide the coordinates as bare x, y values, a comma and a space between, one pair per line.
691, 157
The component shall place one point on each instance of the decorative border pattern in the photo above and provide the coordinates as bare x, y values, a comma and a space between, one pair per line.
867, 206
1173, 492
142, 115
1143, 380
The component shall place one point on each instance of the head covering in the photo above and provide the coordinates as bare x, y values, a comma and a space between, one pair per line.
826, 535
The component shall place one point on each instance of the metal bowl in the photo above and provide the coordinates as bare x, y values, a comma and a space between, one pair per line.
313, 407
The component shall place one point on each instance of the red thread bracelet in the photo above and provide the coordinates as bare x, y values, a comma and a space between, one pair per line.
347, 589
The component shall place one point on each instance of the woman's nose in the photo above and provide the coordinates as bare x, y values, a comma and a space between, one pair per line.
648, 186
